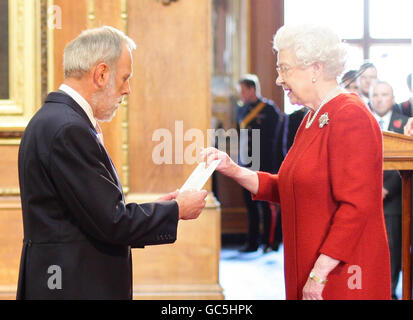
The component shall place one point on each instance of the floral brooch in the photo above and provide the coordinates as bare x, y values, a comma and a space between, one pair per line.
323, 120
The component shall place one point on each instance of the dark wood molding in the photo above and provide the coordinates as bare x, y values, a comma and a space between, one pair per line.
10, 134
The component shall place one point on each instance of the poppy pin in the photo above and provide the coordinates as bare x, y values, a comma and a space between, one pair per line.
397, 124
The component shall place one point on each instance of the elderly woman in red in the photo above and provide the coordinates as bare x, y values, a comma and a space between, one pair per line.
330, 184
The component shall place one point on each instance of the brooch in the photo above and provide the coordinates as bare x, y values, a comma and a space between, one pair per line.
323, 120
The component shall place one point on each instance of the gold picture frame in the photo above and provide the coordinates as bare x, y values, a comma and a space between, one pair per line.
24, 66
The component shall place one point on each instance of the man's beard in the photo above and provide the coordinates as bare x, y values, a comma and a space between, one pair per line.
105, 101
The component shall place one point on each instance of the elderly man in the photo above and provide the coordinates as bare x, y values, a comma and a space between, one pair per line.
78, 230
382, 101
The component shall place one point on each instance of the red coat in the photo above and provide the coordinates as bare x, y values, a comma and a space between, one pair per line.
330, 190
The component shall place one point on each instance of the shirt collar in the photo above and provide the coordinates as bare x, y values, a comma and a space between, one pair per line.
80, 101
386, 118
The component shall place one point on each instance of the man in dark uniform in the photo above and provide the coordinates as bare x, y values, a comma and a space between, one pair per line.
382, 102
258, 115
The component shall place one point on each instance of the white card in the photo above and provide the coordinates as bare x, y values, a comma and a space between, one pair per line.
200, 176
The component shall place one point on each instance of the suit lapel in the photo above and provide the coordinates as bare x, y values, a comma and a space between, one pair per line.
396, 123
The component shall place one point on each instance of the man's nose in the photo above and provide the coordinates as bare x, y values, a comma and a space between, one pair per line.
126, 90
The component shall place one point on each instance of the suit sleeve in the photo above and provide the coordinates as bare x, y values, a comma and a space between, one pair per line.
96, 202
355, 170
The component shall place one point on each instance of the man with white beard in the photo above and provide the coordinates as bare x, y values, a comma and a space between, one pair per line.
78, 230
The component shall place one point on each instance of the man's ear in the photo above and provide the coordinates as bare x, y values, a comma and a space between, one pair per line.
101, 75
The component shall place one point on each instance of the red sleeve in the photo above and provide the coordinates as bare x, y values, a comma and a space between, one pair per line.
267, 188
355, 169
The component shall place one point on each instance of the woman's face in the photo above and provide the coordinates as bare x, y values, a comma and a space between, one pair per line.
295, 80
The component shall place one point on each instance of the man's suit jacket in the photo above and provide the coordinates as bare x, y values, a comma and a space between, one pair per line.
392, 204
406, 108
74, 212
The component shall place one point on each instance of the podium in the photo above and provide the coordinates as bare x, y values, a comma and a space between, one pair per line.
398, 155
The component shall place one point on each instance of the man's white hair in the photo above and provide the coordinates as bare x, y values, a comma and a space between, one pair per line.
94, 46
312, 43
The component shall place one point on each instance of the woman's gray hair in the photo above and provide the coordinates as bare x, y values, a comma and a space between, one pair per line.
94, 46
312, 43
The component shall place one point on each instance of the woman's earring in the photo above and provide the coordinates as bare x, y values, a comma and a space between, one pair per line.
314, 80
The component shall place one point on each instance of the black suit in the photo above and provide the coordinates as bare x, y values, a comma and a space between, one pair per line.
392, 206
74, 212
294, 122
406, 108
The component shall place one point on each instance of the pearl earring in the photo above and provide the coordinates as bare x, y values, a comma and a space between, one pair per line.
314, 80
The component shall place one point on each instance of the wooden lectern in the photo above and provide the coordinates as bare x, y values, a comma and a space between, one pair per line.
398, 155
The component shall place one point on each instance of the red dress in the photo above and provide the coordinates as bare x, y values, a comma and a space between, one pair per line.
330, 190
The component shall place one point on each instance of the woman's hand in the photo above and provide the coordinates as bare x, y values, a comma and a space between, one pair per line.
226, 166
313, 290
245, 177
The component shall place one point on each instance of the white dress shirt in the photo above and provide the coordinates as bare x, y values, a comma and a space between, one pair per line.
386, 119
80, 101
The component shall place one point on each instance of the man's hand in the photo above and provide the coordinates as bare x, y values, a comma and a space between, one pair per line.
385, 193
191, 203
408, 128
169, 196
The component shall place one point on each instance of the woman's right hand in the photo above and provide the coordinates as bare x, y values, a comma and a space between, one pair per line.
226, 166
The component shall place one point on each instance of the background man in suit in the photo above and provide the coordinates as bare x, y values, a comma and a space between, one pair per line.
367, 74
382, 101
78, 230
259, 113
